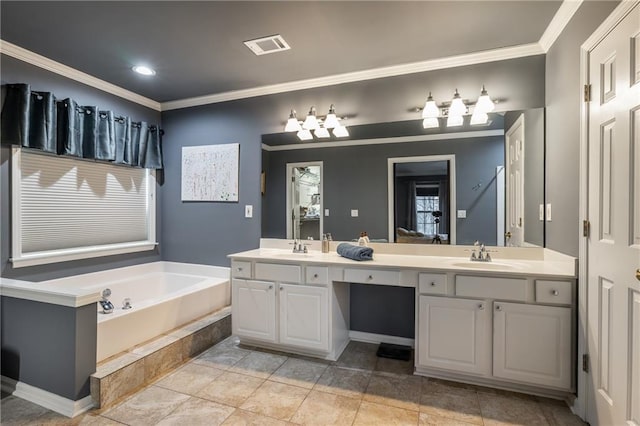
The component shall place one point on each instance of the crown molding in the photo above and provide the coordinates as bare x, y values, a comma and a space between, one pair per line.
560, 20
379, 141
500, 54
40, 61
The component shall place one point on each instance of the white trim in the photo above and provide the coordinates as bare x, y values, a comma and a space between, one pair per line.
290, 167
451, 158
43, 62
500, 205
492, 55
361, 336
57, 403
54, 295
560, 20
377, 141
580, 403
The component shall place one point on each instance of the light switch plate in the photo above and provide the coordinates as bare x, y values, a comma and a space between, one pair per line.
462, 214
326, 212
548, 212
248, 210
541, 212
354, 213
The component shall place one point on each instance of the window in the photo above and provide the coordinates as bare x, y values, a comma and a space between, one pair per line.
66, 209
425, 206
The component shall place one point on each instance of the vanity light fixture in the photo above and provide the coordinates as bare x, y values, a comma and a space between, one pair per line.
319, 125
455, 110
144, 70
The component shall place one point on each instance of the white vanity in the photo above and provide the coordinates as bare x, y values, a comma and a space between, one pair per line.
509, 323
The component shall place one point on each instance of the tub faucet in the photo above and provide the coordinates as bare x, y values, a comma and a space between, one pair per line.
107, 306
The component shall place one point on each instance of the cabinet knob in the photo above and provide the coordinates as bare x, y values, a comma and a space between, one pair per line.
281, 288
433, 284
498, 308
239, 269
270, 286
370, 277
555, 292
315, 275
481, 306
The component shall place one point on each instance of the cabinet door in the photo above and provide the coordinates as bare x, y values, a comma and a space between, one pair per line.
455, 334
304, 316
253, 309
532, 344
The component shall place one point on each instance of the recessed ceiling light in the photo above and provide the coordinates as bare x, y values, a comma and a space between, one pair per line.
141, 69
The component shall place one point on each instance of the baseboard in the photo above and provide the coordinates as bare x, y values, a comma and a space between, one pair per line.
361, 336
46, 399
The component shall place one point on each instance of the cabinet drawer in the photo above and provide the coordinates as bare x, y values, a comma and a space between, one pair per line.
240, 269
557, 292
317, 275
492, 288
276, 272
372, 276
432, 283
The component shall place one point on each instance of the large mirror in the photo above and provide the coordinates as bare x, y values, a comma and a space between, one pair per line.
401, 183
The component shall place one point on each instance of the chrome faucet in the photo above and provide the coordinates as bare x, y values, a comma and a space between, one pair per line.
107, 306
299, 247
482, 254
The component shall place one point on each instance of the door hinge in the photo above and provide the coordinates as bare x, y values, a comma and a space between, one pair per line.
585, 363
586, 228
587, 93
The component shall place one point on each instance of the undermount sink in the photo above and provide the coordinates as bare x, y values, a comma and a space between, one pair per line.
292, 254
487, 265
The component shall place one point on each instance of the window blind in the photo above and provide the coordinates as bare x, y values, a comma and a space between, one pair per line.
69, 204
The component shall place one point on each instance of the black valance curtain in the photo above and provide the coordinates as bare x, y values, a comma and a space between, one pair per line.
37, 120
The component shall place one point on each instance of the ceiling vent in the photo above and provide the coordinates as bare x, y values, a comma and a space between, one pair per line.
264, 45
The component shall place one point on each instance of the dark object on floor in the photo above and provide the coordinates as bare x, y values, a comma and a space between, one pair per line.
388, 350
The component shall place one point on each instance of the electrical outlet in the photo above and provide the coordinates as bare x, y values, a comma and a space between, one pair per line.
248, 210
541, 212
462, 214
548, 212
326, 212
354, 212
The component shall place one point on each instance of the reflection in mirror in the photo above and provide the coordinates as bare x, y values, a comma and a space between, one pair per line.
422, 196
355, 175
304, 201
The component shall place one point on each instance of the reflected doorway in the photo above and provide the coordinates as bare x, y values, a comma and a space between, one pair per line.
304, 200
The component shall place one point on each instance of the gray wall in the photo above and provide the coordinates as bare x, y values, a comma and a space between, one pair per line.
564, 94
14, 71
355, 177
51, 347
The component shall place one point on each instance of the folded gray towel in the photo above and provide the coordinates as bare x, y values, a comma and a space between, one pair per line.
355, 252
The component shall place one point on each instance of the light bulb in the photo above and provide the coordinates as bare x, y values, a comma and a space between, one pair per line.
457, 106
430, 123
144, 70
484, 104
331, 121
430, 108
454, 120
340, 132
311, 122
293, 125
321, 132
305, 135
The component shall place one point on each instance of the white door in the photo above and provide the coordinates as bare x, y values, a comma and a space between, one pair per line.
613, 248
254, 309
514, 141
455, 334
304, 316
532, 344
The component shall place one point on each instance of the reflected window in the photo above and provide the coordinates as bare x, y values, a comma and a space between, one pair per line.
426, 221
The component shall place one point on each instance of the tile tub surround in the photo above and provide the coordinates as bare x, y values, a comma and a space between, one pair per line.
357, 394
131, 370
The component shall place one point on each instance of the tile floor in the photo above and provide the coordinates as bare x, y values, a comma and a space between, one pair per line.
234, 385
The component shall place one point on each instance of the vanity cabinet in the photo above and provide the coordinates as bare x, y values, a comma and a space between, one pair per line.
455, 334
532, 344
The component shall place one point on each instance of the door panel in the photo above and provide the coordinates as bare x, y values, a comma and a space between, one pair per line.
304, 316
515, 182
254, 309
613, 249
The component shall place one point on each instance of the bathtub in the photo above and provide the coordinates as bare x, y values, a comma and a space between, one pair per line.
163, 295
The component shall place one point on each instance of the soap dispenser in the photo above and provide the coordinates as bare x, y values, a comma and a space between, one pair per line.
325, 243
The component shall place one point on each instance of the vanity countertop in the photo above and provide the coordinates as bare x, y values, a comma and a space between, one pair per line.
556, 268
